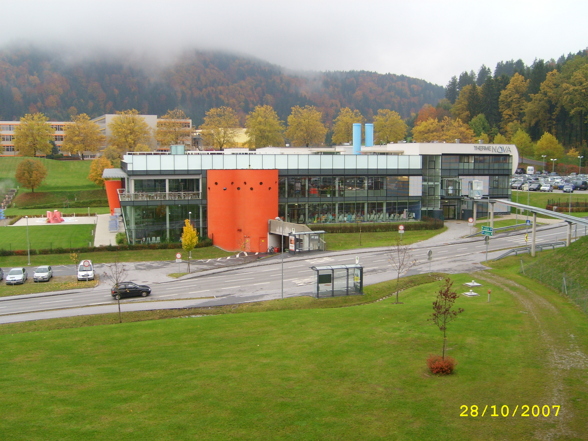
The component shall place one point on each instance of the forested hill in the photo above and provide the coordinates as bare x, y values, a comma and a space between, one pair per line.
35, 81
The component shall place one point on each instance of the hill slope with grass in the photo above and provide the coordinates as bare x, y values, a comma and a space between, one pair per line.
564, 270
66, 185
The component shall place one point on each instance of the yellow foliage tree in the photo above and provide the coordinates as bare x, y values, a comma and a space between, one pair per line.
305, 126
219, 129
173, 128
513, 102
128, 130
30, 173
189, 239
82, 136
97, 168
33, 135
264, 128
343, 125
389, 127
446, 130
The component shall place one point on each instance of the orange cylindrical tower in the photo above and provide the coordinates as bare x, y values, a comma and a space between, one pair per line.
240, 203
112, 194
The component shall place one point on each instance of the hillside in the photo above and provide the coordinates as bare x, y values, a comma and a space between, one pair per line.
36, 81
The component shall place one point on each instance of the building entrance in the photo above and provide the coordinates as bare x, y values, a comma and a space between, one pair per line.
449, 212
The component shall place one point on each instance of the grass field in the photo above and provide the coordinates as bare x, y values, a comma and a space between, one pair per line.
46, 236
61, 175
355, 373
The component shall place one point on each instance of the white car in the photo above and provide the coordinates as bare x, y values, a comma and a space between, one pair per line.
16, 276
546, 187
43, 274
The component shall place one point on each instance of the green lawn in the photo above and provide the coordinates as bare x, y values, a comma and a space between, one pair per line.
46, 236
355, 373
61, 175
348, 241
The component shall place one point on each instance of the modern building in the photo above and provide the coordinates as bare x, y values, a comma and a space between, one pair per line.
232, 196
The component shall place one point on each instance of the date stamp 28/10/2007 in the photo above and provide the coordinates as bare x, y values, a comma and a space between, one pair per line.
505, 410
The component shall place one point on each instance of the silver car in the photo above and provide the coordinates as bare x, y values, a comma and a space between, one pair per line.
16, 276
43, 274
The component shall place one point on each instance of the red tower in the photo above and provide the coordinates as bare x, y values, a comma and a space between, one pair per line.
240, 203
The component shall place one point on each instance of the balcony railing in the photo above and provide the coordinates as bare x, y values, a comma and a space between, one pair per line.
158, 196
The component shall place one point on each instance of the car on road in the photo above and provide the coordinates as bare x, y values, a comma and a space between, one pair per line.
16, 276
568, 188
546, 187
129, 289
43, 274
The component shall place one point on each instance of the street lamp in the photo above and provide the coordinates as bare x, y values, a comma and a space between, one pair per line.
543, 156
28, 242
190, 221
282, 250
553, 162
580, 165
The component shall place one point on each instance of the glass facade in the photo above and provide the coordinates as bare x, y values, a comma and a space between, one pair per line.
312, 188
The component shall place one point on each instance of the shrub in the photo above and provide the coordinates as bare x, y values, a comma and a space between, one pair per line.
121, 239
441, 366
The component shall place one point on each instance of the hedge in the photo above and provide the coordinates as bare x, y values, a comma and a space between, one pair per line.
425, 224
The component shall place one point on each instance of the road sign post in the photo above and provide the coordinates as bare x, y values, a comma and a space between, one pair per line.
487, 231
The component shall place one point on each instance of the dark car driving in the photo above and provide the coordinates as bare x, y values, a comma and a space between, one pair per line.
129, 289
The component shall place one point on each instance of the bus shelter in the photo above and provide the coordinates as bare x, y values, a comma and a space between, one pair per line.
338, 280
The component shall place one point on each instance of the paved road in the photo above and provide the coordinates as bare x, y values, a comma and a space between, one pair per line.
248, 279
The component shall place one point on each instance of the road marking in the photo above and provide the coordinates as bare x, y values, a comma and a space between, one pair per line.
230, 287
57, 301
170, 295
262, 283
100, 303
196, 292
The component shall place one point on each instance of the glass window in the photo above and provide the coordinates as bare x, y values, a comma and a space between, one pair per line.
149, 185
397, 185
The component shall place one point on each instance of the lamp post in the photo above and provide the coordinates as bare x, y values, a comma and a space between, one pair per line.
553, 162
190, 221
282, 250
580, 164
28, 242
544, 156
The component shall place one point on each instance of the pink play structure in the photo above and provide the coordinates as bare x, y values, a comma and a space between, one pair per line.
54, 217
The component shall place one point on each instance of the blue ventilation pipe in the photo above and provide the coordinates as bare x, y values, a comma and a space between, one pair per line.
357, 139
369, 135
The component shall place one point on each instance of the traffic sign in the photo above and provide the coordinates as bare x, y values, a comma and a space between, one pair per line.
471, 220
528, 222
487, 231
401, 229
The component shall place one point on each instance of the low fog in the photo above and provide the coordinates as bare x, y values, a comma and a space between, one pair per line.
428, 39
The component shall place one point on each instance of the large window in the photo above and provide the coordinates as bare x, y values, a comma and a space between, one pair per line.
180, 185
149, 185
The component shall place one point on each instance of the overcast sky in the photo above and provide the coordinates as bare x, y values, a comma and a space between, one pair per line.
430, 39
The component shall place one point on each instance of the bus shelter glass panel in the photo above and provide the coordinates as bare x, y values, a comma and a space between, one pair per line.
338, 280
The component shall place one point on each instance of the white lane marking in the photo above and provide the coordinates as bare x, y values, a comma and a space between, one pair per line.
231, 287
196, 292
57, 301
262, 283
169, 295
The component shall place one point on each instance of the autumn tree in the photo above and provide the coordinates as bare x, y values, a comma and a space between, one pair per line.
305, 127
264, 128
388, 127
173, 128
128, 130
30, 173
446, 130
443, 309
97, 168
545, 106
189, 239
549, 145
500, 139
82, 136
513, 100
468, 103
33, 135
426, 112
343, 125
524, 144
220, 127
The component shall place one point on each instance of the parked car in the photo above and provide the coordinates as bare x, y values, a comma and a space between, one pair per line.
535, 186
129, 289
85, 270
546, 187
43, 274
568, 188
16, 276
516, 185
580, 185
